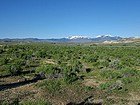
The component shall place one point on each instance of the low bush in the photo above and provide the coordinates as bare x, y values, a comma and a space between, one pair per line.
118, 85
110, 74
36, 102
53, 86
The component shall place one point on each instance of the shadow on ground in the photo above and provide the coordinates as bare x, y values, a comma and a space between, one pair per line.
17, 84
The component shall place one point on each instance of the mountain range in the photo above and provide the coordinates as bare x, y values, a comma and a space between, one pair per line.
73, 39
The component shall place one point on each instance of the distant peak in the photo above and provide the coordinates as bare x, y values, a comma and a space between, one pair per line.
136, 36
77, 37
108, 35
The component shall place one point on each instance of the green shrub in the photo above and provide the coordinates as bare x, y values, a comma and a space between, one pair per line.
129, 72
15, 69
118, 85
106, 85
70, 78
4, 61
103, 64
129, 80
88, 88
49, 69
52, 86
110, 74
36, 102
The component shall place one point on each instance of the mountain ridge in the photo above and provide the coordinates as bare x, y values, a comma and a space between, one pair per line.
87, 39
73, 39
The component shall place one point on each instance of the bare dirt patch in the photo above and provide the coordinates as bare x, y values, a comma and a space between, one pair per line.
25, 92
134, 98
92, 82
10, 79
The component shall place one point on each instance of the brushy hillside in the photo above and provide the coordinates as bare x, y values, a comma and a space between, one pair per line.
70, 74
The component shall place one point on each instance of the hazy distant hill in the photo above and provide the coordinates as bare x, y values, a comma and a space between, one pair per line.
124, 40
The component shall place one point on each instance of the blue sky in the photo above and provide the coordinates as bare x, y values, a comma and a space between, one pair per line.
62, 18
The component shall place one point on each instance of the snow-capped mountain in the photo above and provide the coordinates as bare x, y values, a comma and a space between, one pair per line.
74, 39
83, 39
77, 37
108, 35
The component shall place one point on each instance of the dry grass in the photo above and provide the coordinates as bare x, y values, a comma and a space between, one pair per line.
25, 92
11, 79
49, 61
